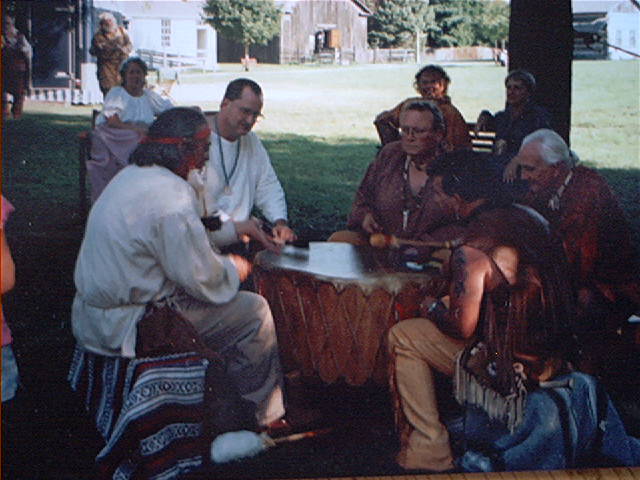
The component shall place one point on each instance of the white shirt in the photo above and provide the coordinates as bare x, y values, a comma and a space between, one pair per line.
253, 183
142, 109
144, 240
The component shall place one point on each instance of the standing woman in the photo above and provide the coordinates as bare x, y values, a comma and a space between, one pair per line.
111, 46
432, 83
127, 113
16, 67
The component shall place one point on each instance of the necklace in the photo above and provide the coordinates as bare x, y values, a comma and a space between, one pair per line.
554, 202
227, 176
410, 201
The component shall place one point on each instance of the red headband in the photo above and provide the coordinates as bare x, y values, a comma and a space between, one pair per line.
201, 135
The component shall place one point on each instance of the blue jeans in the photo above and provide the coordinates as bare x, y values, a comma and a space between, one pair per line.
10, 377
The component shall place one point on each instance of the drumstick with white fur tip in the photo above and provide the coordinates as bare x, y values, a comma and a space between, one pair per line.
382, 240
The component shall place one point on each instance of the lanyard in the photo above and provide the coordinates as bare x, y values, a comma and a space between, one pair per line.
227, 176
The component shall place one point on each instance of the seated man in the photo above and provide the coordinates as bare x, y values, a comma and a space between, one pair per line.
239, 174
396, 195
520, 117
145, 246
596, 236
508, 291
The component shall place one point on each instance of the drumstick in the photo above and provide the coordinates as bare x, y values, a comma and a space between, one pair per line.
300, 436
381, 240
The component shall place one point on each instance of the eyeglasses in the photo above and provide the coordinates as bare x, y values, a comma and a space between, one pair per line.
413, 131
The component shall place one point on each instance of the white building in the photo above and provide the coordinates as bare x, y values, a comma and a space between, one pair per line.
168, 32
613, 26
623, 28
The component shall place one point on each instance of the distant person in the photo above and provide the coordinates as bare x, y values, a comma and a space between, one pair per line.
239, 174
596, 236
397, 194
127, 112
16, 68
432, 83
520, 117
10, 377
111, 46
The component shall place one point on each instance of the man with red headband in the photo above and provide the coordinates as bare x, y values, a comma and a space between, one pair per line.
146, 247
239, 173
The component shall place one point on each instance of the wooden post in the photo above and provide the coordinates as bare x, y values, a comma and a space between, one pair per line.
541, 41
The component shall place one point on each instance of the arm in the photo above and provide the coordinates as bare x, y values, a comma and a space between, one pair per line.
470, 268
181, 246
363, 210
387, 124
126, 42
269, 197
282, 232
8, 267
457, 129
158, 103
485, 122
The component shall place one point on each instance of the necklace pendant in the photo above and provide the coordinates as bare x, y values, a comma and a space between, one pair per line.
227, 190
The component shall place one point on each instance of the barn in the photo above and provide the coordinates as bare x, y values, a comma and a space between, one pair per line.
331, 31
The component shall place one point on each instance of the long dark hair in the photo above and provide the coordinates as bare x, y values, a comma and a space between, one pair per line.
175, 122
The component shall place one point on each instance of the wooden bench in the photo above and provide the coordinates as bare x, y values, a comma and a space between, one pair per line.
84, 154
482, 141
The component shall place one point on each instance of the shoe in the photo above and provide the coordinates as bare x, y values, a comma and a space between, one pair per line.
296, 420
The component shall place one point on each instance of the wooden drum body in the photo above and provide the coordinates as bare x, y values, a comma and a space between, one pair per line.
333, 305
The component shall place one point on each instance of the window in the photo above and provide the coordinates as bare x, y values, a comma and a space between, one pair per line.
618, 38
165, 32
632, 38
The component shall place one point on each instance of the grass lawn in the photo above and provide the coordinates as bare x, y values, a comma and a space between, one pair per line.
318, 130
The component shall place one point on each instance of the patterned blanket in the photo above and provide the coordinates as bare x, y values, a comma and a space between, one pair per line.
148, 410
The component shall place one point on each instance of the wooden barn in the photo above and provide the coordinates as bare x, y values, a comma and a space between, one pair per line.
332, 31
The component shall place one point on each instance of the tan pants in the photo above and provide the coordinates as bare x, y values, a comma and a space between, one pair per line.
243, 332
417, 346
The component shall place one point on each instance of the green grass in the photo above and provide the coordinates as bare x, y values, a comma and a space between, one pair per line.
318, 129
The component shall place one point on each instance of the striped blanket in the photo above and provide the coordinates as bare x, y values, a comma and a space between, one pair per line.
148, 410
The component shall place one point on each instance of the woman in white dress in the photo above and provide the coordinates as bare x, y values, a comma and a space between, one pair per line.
127, 113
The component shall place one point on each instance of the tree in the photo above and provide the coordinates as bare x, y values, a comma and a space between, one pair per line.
397, 23
248, 22
469, 22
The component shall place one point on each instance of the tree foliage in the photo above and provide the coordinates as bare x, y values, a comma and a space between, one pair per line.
445, 22
396, 22
248, 22
470, 22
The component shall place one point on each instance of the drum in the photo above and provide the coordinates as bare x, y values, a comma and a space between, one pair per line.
333, 305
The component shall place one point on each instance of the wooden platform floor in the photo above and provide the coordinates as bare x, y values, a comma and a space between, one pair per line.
625, 473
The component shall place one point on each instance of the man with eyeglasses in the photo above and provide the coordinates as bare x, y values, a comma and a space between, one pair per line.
396, 195
239, 174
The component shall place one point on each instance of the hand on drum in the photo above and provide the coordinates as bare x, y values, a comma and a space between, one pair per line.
243, 266
252, 228
282, 233
370, 225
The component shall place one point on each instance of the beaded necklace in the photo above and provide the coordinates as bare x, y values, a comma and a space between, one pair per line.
410, 201
227, 176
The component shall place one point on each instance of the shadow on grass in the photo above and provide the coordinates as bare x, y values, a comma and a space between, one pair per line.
320, 177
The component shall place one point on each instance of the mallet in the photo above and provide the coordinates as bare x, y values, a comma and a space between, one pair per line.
382, 240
